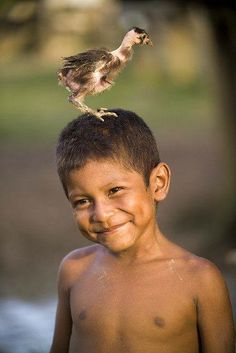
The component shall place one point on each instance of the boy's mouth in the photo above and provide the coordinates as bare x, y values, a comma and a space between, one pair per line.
109, 230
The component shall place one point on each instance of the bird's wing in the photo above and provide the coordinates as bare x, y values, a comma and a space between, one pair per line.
88, 61
111, 67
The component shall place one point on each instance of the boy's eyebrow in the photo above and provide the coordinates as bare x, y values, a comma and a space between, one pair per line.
72, 194
111, 184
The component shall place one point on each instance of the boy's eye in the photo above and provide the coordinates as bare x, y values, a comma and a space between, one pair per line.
114, 190
80, 203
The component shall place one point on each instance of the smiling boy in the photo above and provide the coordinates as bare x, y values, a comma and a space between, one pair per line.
134, 291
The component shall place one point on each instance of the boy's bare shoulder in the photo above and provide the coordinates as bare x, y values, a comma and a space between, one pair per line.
203, 273
198, 266
202, 268
75, 263
81, 253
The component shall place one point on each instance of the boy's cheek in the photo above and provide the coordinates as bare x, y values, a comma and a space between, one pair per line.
138, 202
83, 229
79, 219
87, 235
82, 222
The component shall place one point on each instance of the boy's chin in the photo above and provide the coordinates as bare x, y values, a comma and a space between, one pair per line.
115, 245
118, 247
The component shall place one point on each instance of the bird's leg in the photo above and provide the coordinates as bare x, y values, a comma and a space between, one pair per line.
78, 103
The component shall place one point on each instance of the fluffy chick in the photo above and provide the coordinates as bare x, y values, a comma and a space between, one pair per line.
94, 71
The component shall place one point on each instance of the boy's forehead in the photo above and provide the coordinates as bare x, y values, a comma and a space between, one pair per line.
106, 167
100, 172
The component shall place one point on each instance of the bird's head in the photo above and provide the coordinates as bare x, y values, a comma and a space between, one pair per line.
139, 36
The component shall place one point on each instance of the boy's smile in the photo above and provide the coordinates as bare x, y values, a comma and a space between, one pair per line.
112, 205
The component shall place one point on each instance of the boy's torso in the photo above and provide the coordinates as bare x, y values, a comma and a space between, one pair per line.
141, 308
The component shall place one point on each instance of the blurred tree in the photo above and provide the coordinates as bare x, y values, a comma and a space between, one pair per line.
223, 24
21, 18
221, 15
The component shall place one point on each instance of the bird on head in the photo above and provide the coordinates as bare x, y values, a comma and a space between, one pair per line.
94, 70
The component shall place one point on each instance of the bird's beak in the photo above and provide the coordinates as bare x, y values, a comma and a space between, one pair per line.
149, 42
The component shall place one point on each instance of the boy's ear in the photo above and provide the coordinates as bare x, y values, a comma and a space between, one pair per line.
160, 181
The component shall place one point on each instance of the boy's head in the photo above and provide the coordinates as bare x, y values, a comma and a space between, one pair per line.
125, 139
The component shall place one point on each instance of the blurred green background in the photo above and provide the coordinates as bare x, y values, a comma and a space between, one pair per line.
184, 89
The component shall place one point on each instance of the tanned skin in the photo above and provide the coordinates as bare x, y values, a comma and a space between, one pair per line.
134, 291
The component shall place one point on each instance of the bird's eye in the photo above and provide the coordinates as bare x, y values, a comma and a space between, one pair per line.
142, 37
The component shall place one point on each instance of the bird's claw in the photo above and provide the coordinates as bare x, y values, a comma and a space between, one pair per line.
102, 109
104, 112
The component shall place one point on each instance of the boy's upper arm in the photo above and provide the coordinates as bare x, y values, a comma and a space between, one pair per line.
63, 324
215, 319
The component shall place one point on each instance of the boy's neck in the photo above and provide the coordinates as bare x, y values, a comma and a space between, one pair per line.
147, 250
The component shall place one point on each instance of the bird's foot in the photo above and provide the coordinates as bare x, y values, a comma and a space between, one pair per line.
85, 109
104, 112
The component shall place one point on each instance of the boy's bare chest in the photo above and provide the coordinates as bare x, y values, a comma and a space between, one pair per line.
146, 304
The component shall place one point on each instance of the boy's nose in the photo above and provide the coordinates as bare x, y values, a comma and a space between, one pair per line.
101, 212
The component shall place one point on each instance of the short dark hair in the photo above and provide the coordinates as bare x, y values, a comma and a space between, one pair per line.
126, 139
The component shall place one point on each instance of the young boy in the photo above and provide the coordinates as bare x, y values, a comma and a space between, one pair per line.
134, 291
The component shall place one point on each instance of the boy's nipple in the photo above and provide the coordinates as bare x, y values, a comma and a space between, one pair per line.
82, 315
158, 321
